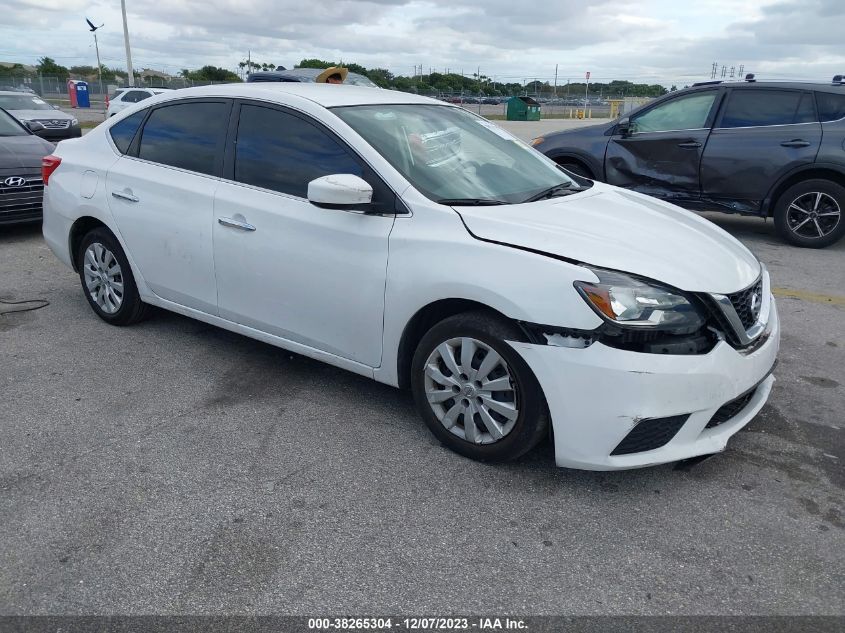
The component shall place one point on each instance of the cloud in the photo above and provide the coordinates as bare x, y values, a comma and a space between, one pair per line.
655, 40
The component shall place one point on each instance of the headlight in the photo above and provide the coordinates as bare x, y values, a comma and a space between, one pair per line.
632, 303
74, 122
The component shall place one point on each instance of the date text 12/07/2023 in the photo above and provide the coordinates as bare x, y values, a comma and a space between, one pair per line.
418, 623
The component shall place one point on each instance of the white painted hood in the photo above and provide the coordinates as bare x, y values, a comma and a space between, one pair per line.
613, 228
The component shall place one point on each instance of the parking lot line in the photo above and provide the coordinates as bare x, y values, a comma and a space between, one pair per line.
808, 296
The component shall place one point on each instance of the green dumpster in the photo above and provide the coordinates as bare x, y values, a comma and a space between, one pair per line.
523, 109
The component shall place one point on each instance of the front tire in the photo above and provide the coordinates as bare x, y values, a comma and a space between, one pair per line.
809, 214
107, 280
579, 169
475, 392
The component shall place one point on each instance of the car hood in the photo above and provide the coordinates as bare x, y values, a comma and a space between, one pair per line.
40, 115
626, 231
23, 151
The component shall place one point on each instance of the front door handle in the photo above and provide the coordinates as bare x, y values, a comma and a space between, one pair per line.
797, 142
236, 224
124, 196
690, 144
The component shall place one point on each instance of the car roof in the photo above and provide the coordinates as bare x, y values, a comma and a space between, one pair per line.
793, 85
326, 95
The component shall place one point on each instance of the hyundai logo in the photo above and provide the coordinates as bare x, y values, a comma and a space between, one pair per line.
14, 181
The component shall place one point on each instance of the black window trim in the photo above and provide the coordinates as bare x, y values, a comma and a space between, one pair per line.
228, 172
134, 147
708, 122
731, 91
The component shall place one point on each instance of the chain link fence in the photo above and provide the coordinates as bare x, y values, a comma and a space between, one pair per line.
553, 104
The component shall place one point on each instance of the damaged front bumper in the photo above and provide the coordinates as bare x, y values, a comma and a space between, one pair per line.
608, 404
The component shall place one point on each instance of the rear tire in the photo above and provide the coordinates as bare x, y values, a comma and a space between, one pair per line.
107, 280
489, 406
810, 213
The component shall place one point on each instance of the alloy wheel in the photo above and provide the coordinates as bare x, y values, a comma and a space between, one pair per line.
813, 215
471, 390
103, 278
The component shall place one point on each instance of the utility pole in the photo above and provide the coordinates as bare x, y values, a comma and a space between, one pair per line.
93, 30
586, 91
99, 70
713, 70
130, 75
555, 80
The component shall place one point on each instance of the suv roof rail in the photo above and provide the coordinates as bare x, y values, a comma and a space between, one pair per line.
837, 80
750, 78
706, 83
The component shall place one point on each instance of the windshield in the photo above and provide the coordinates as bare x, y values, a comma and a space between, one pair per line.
450, 154
9, 126
23, 102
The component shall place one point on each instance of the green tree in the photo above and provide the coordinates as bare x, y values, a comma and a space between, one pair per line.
83, 71
48, 67
209, 73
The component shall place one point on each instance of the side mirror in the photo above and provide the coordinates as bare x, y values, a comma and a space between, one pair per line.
340, 191
34, 126
623, 128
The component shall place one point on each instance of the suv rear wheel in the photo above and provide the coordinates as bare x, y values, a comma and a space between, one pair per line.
809, 213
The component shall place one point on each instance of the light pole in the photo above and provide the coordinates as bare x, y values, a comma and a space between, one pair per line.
131, 76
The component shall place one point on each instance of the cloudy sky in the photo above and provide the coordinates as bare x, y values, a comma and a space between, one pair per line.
659, 41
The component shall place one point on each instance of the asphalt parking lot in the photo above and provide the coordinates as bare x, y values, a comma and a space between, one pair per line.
173, 467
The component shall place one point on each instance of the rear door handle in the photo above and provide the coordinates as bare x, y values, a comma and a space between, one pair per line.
796, 143
124, 196
236, 224
689, 144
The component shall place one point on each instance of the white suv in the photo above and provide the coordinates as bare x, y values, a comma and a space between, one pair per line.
415, 243
126, 97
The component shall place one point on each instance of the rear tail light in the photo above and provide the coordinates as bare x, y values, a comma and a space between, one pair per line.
48, 166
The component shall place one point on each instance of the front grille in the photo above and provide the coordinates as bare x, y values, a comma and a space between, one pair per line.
650, 434
746, 307
55, 124
731, 409
21, 203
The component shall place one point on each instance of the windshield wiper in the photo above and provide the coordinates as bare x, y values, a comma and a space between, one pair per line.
565, 188
470, 202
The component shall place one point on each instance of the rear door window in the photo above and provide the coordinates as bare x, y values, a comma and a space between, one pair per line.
831, 106
187, 135
759, 108
134, 96
124, 131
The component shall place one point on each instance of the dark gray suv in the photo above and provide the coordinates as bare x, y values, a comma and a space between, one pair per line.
766, 149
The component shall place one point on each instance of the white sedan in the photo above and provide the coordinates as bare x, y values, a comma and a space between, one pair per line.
418, 244
127, 97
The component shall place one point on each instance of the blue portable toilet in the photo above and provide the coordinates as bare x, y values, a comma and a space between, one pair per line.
82, 98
